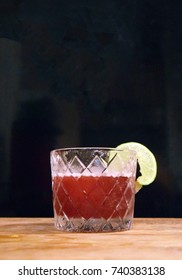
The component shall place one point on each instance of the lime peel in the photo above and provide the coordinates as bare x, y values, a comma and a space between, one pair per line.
138, 186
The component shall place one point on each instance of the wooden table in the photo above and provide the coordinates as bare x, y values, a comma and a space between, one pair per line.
36, 238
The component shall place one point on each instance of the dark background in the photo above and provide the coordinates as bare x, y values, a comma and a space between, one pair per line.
89, 73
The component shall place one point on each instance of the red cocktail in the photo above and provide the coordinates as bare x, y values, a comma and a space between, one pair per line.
93, 197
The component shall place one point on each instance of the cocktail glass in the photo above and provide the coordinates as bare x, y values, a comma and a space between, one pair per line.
93, 189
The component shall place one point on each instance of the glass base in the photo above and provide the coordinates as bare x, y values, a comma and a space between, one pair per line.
93, 225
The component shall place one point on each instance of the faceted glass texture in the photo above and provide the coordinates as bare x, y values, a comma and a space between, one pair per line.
93, 189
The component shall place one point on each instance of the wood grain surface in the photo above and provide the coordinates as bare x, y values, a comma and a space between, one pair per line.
36, 238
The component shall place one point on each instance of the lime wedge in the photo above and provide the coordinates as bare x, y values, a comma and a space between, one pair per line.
146, 161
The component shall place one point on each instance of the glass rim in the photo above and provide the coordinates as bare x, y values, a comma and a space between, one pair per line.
91, 148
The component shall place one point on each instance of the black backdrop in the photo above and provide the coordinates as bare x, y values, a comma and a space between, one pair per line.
88, 73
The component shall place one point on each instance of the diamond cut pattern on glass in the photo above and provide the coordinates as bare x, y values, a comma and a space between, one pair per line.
88, 198
76, 165
97, 165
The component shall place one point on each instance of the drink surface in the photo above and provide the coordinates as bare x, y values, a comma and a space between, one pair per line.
93, 196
